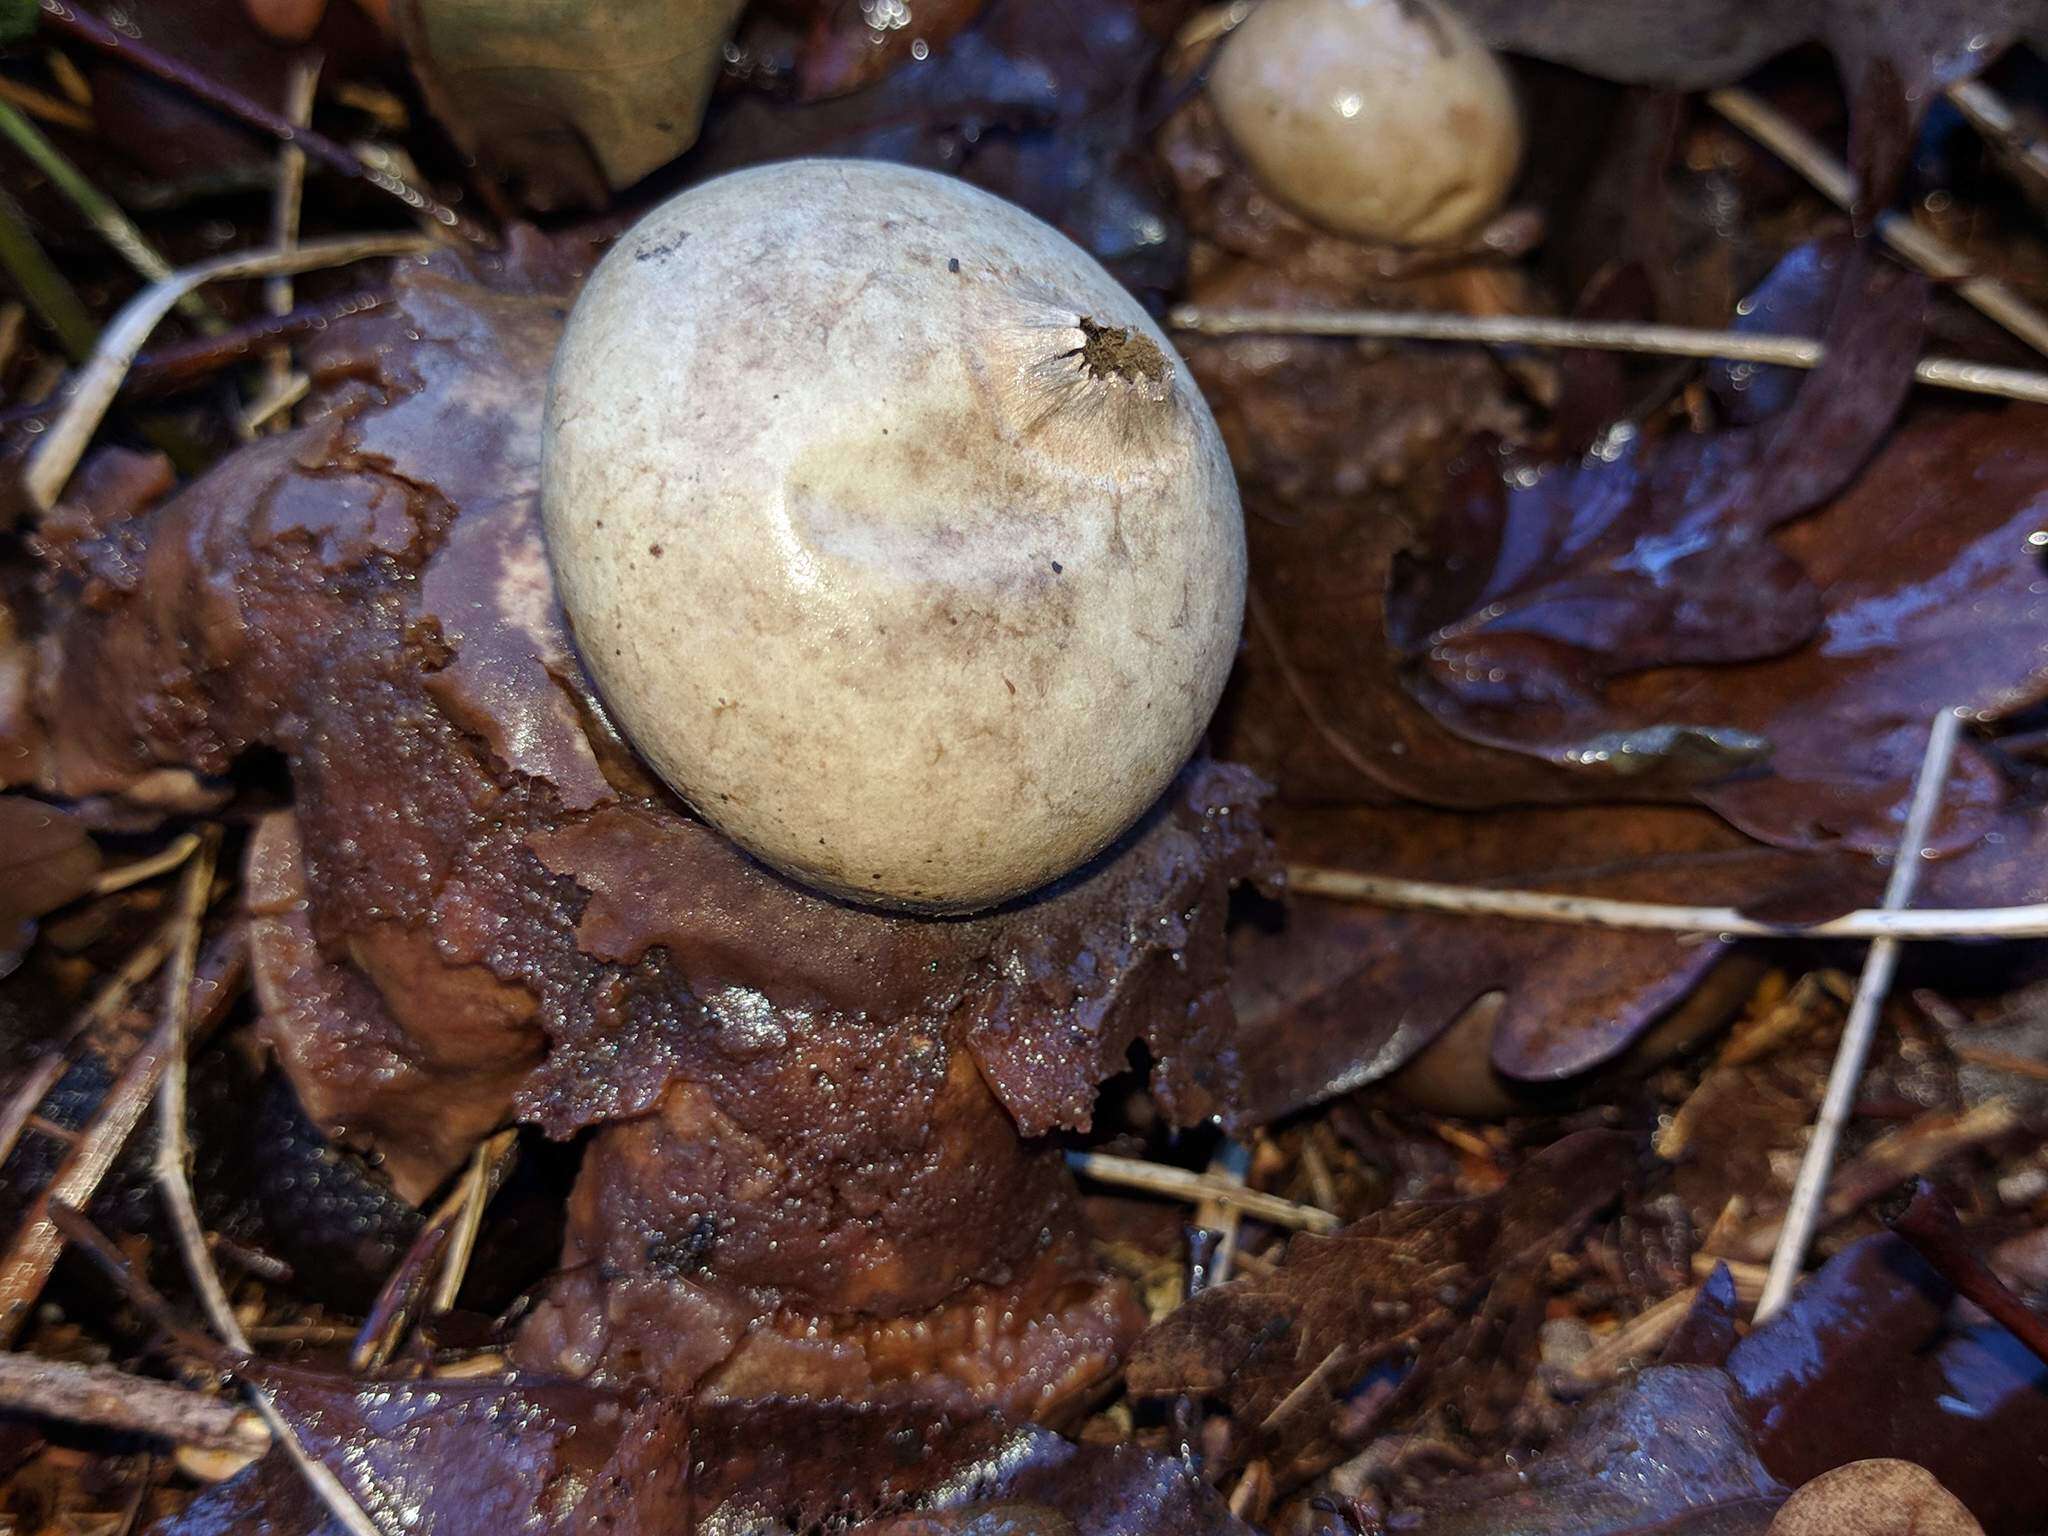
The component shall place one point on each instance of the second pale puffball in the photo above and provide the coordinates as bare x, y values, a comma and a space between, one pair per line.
1388, 120
891, 528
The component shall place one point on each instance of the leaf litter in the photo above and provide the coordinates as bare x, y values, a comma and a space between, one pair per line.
1531, 621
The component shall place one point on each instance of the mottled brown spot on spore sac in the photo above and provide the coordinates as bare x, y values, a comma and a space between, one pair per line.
654, 550
1117, 351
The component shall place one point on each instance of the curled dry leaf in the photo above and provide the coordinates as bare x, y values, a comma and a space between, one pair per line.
573, 98
1875, 1498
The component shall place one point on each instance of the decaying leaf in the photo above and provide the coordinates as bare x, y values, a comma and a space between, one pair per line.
486, 1458
46, 859
1375, 1310
1868, 1361
1875, 1498
575, 98
1668, 1454
462, 1458
1539, 584
1044, 106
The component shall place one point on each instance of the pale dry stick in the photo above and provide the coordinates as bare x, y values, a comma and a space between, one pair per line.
172, 1179
274, 403
284, 224
33, 1253
486, 1172
1908, 1152
50, 1069
175, 1185
1991, 117
1934, 923
179, 850
1636, 1339
107, 1398
1809, 1189
438, 1257
1180, 1184
1748, 1278
57, 454
1228, 1166
1934, 256
1950, 373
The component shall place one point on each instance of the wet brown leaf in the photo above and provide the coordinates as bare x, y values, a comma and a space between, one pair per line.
487, 1458
1867, 1361
1668, 1454
46, 859
1540, 583
1044, 106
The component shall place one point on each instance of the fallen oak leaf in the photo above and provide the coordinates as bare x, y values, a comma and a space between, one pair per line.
1393, 1296
1537, 585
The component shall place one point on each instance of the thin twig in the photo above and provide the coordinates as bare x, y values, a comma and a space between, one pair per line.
95, 33
175, 1185
97, 209
1637, 1339
488, 1166
50, 109
1232, 1160
93, 1243
105, 1003
1908, 1152
58, 453
114, 1399
1988, 113
180, 365
1589, 335
1934, 256
2029, 922
284, 218
33, 1253
1162, 1179
1809, 1190
436, 1259
162, 863
173, 1180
